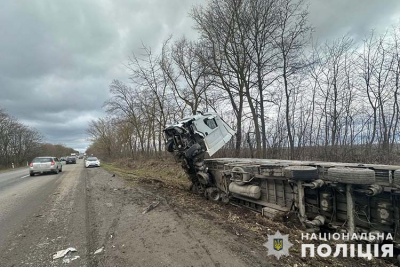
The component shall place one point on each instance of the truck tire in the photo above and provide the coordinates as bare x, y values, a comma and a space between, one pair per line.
170, 145
301, 172
203, 178
351, 175
396, 178
212, 193
192, 151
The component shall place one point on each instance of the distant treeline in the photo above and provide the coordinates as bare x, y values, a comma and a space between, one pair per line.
19, 143
256, 63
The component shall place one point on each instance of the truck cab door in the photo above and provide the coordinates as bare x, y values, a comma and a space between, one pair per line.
215, 131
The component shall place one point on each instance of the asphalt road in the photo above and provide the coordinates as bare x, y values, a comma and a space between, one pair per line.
20, 197
42, 214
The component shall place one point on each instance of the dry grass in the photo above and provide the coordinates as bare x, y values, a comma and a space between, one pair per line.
151, 171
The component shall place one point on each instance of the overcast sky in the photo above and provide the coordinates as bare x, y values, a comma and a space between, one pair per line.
58, 57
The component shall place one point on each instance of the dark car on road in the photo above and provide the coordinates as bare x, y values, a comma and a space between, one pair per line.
71, 160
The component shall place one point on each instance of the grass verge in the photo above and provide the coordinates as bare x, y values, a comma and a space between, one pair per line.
166, 172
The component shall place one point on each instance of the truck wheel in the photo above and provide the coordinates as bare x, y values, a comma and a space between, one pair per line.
170, 145
192, 151
203, 178
301, 172
213, 194
351, 175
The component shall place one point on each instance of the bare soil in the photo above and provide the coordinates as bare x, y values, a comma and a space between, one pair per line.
184, 229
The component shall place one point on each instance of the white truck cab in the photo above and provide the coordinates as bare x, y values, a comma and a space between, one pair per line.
206, 129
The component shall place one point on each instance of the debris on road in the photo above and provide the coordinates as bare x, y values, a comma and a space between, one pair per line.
113, 175
70, 258
43, 244
62, 253
98, 251
151, 207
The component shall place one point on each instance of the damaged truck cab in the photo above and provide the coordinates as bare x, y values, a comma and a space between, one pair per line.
344, 197
207, 130
191, 138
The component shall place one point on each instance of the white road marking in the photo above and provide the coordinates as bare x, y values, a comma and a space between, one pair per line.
24, 176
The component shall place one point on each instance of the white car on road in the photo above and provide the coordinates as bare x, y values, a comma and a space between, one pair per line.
92, 162
45, 164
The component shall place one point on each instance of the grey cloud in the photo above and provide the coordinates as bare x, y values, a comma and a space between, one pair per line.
58, 57
333, 18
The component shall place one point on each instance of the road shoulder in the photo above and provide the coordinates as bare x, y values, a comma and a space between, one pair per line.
164, 236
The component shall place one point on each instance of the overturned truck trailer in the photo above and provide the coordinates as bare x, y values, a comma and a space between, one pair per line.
345, 197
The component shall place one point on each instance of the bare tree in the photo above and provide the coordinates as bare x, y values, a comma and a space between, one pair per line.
186, 73
20, 143
262, 24
226, 59
293, 30
252, 63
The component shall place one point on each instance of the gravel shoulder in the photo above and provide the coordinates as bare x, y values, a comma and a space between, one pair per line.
165, 236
